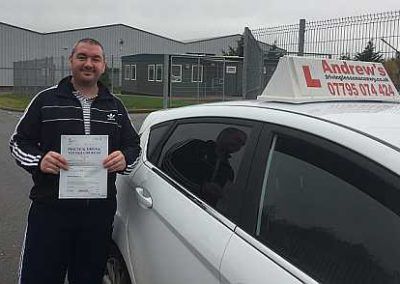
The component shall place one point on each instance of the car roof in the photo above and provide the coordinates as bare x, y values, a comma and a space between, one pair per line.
380, 120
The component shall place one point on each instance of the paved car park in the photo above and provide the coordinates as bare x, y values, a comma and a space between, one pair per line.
14, 189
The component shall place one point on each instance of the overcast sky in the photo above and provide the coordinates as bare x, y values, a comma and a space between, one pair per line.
181, 19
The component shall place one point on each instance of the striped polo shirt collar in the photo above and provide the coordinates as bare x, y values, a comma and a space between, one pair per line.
66, 89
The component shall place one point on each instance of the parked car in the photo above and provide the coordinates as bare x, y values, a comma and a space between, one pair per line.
262, 192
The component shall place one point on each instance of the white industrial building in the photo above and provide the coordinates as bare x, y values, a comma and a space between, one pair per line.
22, 47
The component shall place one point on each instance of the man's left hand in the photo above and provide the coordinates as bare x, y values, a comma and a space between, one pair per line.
115, 162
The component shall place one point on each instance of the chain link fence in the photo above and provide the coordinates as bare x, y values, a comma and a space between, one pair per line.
34, 75
205, 78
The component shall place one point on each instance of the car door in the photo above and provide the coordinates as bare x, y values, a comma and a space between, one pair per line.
177, 235
324, 213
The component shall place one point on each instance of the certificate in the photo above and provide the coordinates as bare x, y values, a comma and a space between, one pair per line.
86, 177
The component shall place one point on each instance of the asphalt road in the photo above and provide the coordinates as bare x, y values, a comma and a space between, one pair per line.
15, 184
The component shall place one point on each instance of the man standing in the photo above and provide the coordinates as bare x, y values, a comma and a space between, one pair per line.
71, 234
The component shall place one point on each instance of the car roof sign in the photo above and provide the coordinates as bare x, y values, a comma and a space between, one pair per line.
301, 79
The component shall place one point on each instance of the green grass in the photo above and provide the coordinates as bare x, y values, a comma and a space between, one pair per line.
14, 101
132, 102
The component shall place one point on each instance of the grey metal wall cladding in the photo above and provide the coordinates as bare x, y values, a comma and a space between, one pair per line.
215, 45
17, 44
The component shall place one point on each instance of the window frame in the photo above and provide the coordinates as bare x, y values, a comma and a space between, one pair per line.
258, 174
244, 169
127, 72
198, 66
162, 72
133, 74
149, 67
173, 77
231, 69
264, 147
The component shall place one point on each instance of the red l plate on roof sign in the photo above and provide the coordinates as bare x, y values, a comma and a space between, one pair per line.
300, 79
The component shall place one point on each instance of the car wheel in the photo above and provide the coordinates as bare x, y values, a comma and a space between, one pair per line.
116, 271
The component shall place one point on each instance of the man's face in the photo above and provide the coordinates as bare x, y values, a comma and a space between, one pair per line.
87, 64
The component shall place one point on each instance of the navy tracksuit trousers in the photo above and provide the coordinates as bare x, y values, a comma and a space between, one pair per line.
67, 235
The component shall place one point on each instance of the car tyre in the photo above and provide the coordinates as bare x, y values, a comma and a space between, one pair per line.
115, 271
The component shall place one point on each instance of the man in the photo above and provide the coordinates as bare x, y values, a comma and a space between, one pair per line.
203, 166
71, 234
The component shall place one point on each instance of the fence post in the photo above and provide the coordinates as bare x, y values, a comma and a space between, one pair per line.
198, 78
166, 82
245, 60
46, 72
62, 67
112, 74
223, 79
302, 31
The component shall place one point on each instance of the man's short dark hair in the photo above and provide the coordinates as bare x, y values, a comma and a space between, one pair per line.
90, 41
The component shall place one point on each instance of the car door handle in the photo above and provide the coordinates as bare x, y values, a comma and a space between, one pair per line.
144, 201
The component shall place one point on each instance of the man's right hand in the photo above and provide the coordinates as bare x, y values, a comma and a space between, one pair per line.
52, 162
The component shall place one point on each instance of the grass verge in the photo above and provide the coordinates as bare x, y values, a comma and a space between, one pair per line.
134, 103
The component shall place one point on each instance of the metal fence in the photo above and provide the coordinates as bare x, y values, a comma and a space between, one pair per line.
213, 77
204, 78
31, 76
335, 38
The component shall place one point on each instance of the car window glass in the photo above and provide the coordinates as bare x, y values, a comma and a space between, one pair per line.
157, 136
329, 217
205, 159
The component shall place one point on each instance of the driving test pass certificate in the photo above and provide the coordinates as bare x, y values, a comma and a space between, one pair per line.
86, 177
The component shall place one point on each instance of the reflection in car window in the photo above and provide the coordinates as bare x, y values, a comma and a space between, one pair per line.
205, 158
156, 138
326, 215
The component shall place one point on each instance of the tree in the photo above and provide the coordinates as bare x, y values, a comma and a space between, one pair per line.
392, 67
345, 56
238, 51
369, 54
274, 52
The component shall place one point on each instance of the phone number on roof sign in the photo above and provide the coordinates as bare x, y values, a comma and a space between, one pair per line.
361, 89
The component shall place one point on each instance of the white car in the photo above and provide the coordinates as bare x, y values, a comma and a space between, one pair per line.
262, 192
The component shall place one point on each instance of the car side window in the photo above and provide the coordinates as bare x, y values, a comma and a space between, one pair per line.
328, 216
206, 158
156, 139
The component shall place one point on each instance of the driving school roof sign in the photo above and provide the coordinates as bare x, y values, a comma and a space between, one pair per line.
300, 79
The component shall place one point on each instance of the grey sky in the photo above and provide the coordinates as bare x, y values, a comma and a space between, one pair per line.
180, 19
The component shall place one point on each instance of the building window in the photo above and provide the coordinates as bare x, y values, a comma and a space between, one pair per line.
176, 73
127, 72
133, 72
230, 69
150, 72
197, 73
159, 72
